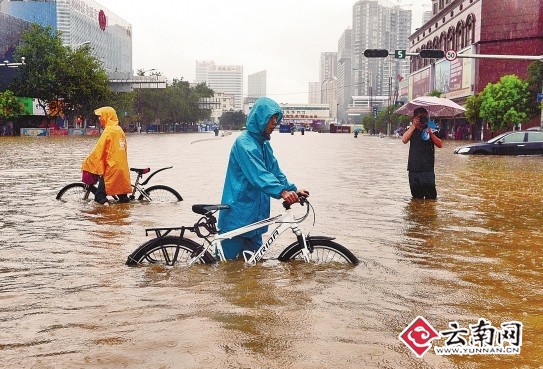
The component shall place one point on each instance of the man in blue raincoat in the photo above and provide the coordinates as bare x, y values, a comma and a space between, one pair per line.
253, 176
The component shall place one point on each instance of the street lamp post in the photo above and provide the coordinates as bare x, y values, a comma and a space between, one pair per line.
6, 63
370, 84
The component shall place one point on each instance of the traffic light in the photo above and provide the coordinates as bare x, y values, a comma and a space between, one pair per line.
375, 53
432, 53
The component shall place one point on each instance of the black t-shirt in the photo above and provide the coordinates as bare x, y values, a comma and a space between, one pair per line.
421, 153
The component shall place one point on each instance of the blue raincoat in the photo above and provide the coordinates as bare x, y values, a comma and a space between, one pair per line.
253, 174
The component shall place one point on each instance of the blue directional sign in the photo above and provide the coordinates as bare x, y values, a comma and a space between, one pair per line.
540, 97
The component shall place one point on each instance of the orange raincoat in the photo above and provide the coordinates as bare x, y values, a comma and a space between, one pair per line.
109, 157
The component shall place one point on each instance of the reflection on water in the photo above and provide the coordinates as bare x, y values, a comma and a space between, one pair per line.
67, 299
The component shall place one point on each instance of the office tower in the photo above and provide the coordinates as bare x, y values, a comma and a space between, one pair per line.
256, 84
81, 22
328, 73
426, 16
377, 25
344, 84
314, 93
222, 78
328, 66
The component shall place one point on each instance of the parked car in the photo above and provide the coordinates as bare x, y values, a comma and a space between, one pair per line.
509, 143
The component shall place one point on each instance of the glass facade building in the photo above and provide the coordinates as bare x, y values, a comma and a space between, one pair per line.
81, 22
11, 31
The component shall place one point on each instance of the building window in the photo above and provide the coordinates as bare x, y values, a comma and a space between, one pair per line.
443, 41
470, 29
460, 36
450, 39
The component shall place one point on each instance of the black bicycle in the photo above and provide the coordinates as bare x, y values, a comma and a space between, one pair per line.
80, 191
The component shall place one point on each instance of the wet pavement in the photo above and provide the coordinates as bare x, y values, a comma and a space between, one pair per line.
67, 300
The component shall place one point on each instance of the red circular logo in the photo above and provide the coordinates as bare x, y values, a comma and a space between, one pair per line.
102, 20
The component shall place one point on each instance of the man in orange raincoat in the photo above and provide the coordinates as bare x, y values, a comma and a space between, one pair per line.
109, 159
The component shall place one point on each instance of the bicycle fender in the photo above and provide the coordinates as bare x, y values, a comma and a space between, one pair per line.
307, 239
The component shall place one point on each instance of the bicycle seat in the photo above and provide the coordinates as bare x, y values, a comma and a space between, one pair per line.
141, 171
204, 209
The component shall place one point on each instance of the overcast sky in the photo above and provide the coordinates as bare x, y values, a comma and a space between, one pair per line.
284, 37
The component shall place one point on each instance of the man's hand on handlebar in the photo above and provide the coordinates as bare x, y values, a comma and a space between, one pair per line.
291, 197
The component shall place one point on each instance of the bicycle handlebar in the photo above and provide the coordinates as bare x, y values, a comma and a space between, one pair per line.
301, 200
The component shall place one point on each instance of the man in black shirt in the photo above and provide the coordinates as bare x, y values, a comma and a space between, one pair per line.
422, 139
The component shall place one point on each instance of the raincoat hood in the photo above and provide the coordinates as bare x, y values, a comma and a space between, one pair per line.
260, 114
108, 114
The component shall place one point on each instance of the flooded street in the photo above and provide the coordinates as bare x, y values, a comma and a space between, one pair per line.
68, 301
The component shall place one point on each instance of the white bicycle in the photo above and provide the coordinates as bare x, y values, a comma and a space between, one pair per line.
171, 250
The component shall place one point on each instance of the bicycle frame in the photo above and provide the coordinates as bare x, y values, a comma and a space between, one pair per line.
285, 221
137, 186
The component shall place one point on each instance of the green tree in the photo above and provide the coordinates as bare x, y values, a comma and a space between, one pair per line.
395, 120
10, 106
368, 122
85, 83
473, 109
505, 102
54, 72
125, 105
232, 120
535, 83
435, 93
177, 103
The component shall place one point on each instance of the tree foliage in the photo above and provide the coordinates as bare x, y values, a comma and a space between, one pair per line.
232, 120
505, 102
535, 83
177, 102
54, 72
10, 106
473, 109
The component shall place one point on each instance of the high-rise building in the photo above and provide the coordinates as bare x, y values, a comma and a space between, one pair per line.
328, 66
426, 16
344, 84
222, 78
82, 22
377, 25
314, 93
11, 32
328, 79
256, 84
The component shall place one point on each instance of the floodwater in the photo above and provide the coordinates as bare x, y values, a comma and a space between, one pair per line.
68, 301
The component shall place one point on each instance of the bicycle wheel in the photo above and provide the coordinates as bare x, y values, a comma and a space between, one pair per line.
162, 194
76, 192
324, 251
169, 250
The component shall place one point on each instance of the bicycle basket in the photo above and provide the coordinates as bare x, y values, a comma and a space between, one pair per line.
89, 178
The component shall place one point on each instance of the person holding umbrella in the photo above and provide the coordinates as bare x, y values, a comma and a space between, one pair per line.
420, 163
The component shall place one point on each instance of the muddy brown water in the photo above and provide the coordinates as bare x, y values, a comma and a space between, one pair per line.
68, 301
